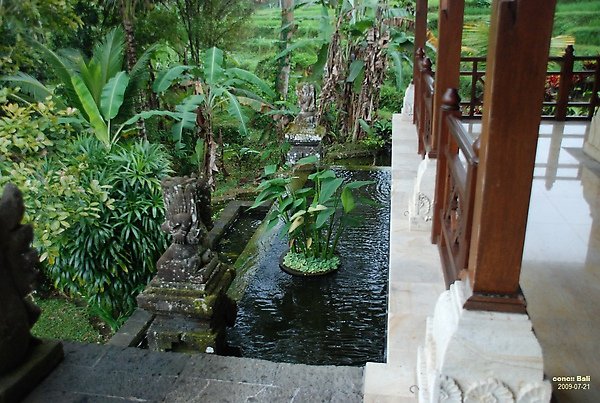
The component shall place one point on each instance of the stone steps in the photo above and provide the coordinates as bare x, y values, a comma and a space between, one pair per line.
97, 373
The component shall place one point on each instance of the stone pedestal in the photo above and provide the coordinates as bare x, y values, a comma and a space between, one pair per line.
303, 134
592, 145
420, 209
41, 359
477, 356
192, 313
188, 294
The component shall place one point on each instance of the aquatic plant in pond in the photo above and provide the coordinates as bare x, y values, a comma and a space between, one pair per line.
314, 217
337, 319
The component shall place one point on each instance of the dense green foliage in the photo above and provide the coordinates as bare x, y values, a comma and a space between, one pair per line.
212, 23
108, 259
578, 19
98, 88
96, 210
49, 21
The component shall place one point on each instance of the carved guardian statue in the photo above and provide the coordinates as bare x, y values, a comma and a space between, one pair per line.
188, 293
17, 275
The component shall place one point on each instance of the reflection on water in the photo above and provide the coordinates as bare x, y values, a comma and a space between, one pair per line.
336, 319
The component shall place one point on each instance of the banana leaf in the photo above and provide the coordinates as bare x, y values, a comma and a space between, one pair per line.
113, 94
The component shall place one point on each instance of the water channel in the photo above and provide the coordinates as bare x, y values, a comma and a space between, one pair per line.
338, 319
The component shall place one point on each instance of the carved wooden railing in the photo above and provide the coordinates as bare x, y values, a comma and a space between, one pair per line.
471, 108
567, 75
562, 92
573, 86
423, 107
455, 190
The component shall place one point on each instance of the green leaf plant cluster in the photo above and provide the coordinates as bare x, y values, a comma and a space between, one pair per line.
315, 216
99, 89
96, 210
210, 89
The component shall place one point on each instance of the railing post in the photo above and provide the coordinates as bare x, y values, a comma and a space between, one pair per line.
474, 79
565, 84
450, 106
595, 100
423, 126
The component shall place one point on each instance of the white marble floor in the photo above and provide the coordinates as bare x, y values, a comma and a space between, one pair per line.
561, 264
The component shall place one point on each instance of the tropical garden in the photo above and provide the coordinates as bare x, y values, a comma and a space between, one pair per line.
99, 100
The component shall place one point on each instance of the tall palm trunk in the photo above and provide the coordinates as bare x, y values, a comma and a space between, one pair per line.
335, 70
127, 15
287, 30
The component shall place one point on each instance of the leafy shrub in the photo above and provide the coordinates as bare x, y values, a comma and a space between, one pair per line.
96, 211
315, 216
110, 258
31, 151
27, 131
390, 98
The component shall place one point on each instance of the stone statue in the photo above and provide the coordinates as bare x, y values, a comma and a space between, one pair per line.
306, 98
188, 220
308, 107
188, 294
188, 209
17, 276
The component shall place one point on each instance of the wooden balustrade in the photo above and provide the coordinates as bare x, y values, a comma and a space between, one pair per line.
570, 71
455, 190
471, 108
567, 93
423, 107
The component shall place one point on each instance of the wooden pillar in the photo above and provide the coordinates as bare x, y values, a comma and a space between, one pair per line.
447, 68
418, 102
450, 25
420, 31
516, 69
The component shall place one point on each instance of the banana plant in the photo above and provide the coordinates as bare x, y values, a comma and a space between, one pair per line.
98, 88
216, 89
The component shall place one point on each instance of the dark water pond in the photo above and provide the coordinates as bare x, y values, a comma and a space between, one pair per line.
337, 319
235, 238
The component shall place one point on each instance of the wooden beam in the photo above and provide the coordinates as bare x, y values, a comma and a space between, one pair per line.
516, 70
447, 65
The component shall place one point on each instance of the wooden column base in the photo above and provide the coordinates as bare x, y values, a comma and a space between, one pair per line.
497, 303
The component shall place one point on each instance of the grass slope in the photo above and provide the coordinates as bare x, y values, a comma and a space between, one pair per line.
578, 18
64, 320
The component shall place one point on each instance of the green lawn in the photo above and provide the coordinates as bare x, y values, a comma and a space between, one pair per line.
61, 319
